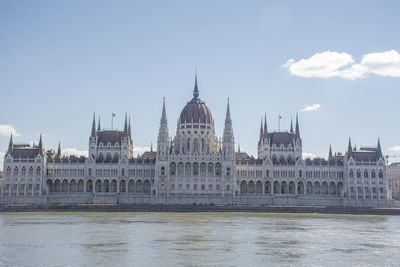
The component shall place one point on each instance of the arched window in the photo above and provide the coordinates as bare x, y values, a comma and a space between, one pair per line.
188, 169
373, 174
38, 171
30, 171
8, 171
351, 174
180, 168
196, 146
202, 169
358, 174
365, 173
188, 145
210, 169
16, 171
172, 168
195, 169
162, 171
380, 174
23, 171
202, 145
228, 171
218, 169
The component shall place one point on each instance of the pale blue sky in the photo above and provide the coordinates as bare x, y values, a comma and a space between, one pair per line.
61, 60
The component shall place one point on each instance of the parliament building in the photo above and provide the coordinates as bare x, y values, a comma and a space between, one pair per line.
194, 167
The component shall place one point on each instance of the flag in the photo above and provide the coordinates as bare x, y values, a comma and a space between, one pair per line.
280, 117
113, 114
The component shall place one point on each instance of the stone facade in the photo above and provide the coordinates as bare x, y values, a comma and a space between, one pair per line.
194, 167
393, 177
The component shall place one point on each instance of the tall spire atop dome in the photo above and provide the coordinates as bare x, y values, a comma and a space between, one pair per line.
196, 89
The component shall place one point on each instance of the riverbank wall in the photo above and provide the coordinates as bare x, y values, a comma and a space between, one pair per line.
197, 208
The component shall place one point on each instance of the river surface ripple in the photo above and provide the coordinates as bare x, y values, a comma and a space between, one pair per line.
197, 239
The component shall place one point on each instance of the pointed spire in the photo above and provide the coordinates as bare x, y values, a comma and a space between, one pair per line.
11, 144
330, 152
291, 125
126, 125
349, 148
164, 113
40, 147
98, 126
265, 124
261, 130
151, 146
93, 126
228, 114
196, 89
130, 129
59, 150
297, 133
379, 149
239, 148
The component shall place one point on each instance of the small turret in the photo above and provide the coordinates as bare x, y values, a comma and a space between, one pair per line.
40, 146
59, 150
291, 125
130, 129
10, 145
98, 126
261, 131
330, 152
379, 149
265, 126
126, 125
93, 126
349, 149
297, 133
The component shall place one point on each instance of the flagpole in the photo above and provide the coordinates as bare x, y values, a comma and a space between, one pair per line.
279, 123
112, 118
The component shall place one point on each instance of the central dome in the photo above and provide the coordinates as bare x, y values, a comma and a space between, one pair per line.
195, 110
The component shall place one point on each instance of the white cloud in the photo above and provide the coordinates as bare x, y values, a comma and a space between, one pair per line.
7, 130
74, 151
384, 63
394, 148
309, 155
313, 107
320, 65
333, 64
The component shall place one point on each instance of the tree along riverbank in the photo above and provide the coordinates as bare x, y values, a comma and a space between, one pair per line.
200, 208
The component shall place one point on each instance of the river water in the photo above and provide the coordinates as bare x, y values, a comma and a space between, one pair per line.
197, 239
